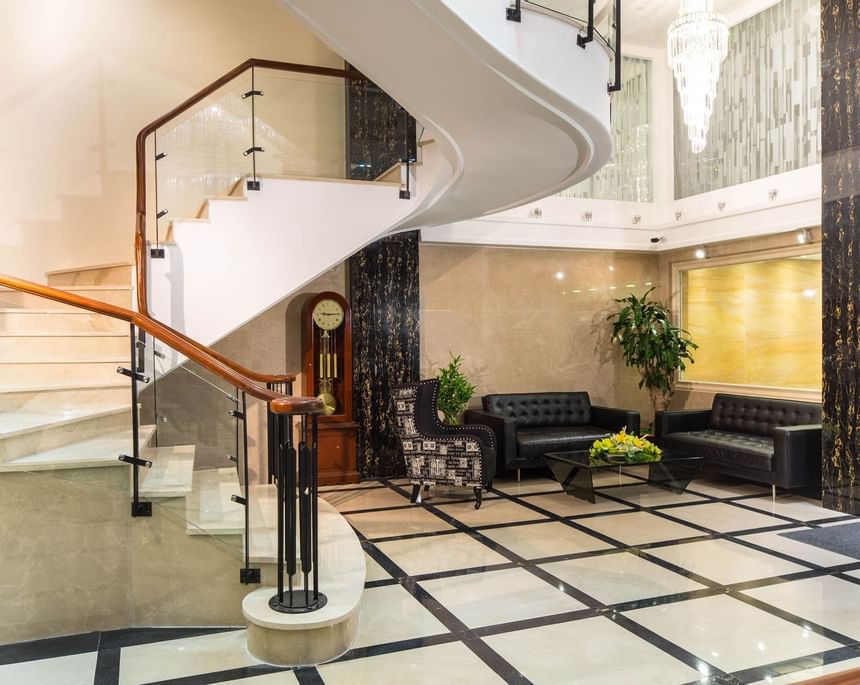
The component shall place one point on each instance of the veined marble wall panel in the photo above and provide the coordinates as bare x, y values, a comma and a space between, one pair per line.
627, 176
840, 251
756, 323
766, 115
531, 319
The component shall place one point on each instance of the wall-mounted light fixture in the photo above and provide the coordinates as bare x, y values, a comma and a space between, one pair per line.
804, 236
537, 213
721, 206
678, 215
637, 219
586, 216
701, 252
772, 194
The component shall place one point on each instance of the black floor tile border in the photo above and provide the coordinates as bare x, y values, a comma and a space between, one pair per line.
49, 648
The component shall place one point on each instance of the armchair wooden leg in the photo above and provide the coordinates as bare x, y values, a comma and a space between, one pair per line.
479, 491
416, 494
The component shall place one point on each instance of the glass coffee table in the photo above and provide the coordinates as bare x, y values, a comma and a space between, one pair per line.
574, 470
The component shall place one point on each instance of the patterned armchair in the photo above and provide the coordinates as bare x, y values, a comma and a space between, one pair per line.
436, 453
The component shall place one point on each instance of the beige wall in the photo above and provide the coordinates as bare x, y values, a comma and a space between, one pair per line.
79, 80
521, 329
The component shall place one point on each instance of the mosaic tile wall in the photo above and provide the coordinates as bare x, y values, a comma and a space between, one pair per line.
627, 174
766, 116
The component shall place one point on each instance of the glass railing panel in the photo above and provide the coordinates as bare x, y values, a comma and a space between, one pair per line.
300, 123
203, 153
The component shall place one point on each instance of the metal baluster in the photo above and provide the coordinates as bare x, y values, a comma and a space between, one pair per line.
514, 12
314, 509
253, 184
581, 40
157, 252
138, 508
613, 87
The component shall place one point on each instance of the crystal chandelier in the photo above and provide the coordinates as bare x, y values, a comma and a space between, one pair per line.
698, 44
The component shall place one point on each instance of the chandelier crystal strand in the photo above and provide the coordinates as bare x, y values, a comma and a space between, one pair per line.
698, 43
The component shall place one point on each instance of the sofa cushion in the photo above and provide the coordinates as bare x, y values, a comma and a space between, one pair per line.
532, 410
738, 449
533, 443
760, 415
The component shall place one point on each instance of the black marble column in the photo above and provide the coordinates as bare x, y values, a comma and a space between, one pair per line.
383, 294
840, 124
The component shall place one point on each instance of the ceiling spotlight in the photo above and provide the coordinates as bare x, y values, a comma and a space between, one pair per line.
701, 252
804, 236
559, 275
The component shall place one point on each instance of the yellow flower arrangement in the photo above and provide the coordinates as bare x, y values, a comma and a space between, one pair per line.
624, 447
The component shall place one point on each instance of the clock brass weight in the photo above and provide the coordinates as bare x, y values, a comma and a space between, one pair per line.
327, 354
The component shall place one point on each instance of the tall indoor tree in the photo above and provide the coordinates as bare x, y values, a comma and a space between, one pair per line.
653, 344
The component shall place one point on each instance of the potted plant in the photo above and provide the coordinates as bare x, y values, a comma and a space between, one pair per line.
455, 391
651, 343
623, 448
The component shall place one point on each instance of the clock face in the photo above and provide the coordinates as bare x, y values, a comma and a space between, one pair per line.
328, 314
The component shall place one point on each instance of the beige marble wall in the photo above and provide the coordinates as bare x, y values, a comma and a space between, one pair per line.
531, 319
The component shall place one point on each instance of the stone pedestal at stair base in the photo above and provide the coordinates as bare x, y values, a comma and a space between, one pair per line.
322, 635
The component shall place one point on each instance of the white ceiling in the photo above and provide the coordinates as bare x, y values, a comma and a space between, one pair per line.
645, 22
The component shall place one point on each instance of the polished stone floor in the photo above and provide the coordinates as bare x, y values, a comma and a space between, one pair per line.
643, 587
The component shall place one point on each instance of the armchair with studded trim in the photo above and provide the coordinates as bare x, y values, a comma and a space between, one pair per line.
437, 454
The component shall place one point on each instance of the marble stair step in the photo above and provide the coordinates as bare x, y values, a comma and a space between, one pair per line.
16, 373
208, 509
48, 397
112, 294
103, 274
48, 319
25, 433
172, 471
58, 346
99, 451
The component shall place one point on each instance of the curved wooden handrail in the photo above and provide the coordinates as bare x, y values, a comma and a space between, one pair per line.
851, 677
279, 403
140, 153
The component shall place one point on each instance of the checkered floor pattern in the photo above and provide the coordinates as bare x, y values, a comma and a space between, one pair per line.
644, 586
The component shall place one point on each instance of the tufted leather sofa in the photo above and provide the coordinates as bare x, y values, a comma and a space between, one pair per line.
771, 441
528, 425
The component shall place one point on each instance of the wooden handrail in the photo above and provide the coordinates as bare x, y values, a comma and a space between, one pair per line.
207, 358
140, 152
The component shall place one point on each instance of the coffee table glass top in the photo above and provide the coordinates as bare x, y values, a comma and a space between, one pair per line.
573, 470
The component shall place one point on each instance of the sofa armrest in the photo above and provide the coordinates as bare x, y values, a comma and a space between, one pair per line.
666, 422
797, 456
504, 429
614, 420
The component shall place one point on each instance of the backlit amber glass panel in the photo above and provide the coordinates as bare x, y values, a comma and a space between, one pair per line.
757, 323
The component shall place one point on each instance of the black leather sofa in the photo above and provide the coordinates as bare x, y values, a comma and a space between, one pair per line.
777, 442
528, 425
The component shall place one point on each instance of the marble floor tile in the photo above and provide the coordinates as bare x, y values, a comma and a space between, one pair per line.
352, 486
609, 478
77, 669
537, 540
809, 673
526, 486
491, 512
799, 550
725, 562
391, 522
825, 600
439, 553
374, 570
485, 599
724, 518
622, 577
379, 605
592, 651
645, 495
639, 528
445, 493
279, 678
365, 498
793, 506
728, 633
449, 664
563, 504
726, 488
184, 657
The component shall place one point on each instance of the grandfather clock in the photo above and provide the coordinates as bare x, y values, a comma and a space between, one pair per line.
327, 359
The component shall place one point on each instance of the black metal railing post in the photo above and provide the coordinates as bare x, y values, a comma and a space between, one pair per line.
138, 508
514, 11
254, 183
247, 574
298, 527
581, 40
157, 252
616, 86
